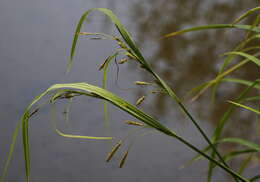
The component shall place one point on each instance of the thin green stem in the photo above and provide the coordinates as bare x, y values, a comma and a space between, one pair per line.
175, 97
227, 169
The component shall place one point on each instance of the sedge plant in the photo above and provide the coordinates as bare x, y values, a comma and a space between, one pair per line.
130, 51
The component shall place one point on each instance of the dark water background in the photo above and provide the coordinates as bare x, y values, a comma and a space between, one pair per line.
35, 38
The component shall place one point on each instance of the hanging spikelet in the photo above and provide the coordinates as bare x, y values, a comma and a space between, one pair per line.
122, 162
131, 56
85, 33
142, 83
134, 123
122, 45
140, 100
113, 151
122, 61
157, 92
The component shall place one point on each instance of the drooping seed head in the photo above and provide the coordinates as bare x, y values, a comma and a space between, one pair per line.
85, 33
140, 100
117, 39
131, 56
113, 151
122, 162
134, 123
157, 91
122, 61
122, 45
142, 83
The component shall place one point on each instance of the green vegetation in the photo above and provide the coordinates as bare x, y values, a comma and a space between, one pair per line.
129, 49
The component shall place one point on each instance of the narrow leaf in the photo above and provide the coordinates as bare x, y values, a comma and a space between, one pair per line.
215, 26
81, 136
245, 107
240, 141
241, 81
248, 56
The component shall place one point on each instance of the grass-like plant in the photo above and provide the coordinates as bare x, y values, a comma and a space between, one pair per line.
131, 52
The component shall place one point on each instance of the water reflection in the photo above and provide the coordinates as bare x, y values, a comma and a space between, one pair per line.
35, 42
188, 60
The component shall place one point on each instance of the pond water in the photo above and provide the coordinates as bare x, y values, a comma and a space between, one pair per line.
35, 40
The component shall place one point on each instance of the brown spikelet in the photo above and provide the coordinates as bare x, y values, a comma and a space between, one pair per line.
155, 91
142, 83
122, 45
122, 61
113, 151
117, 39
140, 100
122, 162
134, 123
85, 33
131, 56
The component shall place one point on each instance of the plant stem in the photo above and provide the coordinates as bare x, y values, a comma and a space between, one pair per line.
175, 97
227, 169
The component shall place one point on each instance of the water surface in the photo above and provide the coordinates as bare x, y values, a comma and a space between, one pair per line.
35, 38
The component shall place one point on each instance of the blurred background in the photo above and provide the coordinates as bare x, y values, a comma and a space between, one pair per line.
35, 40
